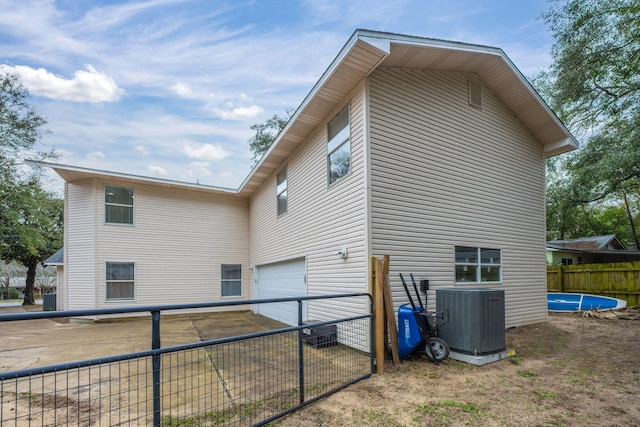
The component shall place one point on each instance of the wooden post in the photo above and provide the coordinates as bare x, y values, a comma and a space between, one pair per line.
561, 278
390, 315
379, 318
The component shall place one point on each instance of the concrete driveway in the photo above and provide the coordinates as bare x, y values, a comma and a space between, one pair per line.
34, 343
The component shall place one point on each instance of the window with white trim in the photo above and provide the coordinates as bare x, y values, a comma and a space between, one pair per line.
478, 265
281, 191
231, 280
120, 280
118, 205
339, 146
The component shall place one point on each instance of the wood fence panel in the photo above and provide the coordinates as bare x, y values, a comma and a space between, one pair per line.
618, 280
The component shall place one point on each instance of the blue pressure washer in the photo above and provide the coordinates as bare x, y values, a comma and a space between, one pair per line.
418, 328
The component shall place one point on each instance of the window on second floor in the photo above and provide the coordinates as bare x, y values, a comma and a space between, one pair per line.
118, 205
281, 191
339, 146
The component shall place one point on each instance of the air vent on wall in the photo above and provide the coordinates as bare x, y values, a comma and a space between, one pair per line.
475, 94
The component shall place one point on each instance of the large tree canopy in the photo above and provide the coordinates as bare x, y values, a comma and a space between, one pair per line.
594, 85
20, 124
30, 218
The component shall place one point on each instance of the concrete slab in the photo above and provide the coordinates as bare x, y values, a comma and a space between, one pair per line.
483, 359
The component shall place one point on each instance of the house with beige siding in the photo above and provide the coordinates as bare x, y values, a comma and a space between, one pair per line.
429, 151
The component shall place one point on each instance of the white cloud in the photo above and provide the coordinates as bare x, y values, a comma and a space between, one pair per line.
240, 113
203, 151
197, 171
87, 85
142, 150
183, 90
96, 155
156, 170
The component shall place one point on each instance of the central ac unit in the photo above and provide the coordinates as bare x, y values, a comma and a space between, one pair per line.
476, 319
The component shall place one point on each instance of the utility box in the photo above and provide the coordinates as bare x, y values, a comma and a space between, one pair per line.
476, 319
320, 336
49, 302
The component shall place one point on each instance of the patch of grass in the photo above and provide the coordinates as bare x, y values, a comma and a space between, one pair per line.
446, 411
515, 360
525, 374
375, 417
545, 394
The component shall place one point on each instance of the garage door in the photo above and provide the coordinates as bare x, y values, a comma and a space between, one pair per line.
281, 280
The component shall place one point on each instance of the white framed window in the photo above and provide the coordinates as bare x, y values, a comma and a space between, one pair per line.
281, 190
478, 265
120, 281
118, 205
339, 146
231, 280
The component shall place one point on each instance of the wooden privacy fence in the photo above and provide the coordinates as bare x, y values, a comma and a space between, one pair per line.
618, 280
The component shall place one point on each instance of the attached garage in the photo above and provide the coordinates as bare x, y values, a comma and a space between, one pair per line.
281, 280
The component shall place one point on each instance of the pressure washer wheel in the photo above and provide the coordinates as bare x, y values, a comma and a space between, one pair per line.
437, 349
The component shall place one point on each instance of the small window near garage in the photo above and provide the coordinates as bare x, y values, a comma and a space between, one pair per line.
281, 191
231, 280
118, 205
339, 146
580, 260
120, 281
478, 265
567, 261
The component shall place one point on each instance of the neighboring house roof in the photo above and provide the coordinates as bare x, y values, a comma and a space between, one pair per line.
56, 259
362, 54
608, 242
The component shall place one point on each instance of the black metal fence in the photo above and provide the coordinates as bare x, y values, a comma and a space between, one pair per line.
250, 379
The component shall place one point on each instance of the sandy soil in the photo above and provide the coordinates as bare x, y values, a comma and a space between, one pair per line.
571, 371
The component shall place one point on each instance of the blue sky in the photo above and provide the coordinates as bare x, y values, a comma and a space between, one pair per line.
169, 88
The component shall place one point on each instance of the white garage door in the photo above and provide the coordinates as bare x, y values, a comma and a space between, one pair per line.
281, 280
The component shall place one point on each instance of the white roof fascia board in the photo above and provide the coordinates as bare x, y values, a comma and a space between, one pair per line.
377, 43
130, 177
569, 140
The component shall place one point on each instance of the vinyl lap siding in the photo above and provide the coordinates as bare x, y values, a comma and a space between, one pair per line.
178, 242
320, 219
444, 173
80, 254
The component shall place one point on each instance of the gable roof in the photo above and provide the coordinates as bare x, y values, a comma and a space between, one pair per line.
367, 50
364, 52
55, 259
607, 242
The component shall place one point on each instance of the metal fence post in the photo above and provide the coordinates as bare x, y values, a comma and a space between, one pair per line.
155, 344
300, 353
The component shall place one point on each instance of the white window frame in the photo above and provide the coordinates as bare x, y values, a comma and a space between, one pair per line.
224, 280
337, 142
281, 192
121, 281
477, 264
108, 204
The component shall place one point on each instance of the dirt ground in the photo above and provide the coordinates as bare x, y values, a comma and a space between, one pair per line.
571, 371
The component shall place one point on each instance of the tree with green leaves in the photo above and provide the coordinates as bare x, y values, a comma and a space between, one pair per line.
594, 85
266, 133
30, 218
32, 230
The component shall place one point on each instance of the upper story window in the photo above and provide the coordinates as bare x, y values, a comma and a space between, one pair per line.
118, 205
339, 146
478, 265
281, 191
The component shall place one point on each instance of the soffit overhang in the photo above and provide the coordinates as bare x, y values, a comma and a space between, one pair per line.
367, 50
75, 174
